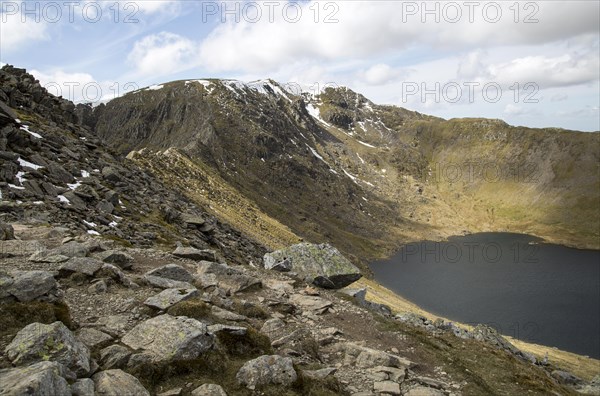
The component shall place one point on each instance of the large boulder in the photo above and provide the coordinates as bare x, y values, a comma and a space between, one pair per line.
323, 265
267, 370
168, 338
117, 383
29, 285
42, 379
38, 342
227, 277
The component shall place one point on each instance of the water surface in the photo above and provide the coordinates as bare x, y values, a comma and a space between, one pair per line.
541, 293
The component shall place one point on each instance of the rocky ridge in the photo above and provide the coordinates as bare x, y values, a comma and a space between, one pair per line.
114, 283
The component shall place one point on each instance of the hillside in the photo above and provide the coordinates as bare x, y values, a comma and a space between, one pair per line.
336, 167
134, 241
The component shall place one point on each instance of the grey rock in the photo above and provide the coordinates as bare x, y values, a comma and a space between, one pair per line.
116, 257
284, 265
169, 297
84, 265
39, 379
319, 374
209, 390
386, 387
115, 273
93, 338
363, 357
424, 391
312, 303
116, 382
221, 328
83, 387
17, 248
322, 265
224, 314
195, 254
31, 285
267, 370
167, 338
165, 283
105, 207
6, 232
115, 325
114, 356
172, 271
171, 392
228, 278
566, 378
37, 342
111, 174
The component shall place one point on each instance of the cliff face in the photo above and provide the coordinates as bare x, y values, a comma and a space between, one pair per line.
337, 167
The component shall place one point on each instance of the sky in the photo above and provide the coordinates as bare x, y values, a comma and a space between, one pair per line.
531, 63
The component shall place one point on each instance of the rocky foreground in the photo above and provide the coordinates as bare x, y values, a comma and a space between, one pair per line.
112, 283
84, 316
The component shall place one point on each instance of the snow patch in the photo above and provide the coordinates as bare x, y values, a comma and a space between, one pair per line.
26, 129
64, 199
89, 223
154, 87
85, 173
315, 113
113, 224
16, 187
74, 186
20, 177
359, 157
92, 232
28, 164
366, 144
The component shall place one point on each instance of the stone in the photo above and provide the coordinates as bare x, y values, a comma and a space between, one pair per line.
168, 338
83, 387
228, 278
424, 391
282, 266
566, 378
38, 342
42, 378
312, 303
93, 338
286, 287
165, 283
70, 249
116, 257
224, 314
171, 392
115, 273
322, 265
319, 374
172, 271
221, 328
363, 357
16, 248
194, 254
391, 373
169, 297
209, 390
105, 207
30, 285
7, 231
386, 387
114, 356
111, 174
116, 382
115, 325
267, 370
84, 265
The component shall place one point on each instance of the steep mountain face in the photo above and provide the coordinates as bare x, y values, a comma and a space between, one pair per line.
337, 167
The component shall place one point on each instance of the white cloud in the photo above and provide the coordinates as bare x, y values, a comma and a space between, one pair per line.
382, 73
365, 29
559, 97
16, 34
162, 54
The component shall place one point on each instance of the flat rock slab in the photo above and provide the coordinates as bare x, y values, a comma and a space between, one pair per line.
322, 265
386, 387
172, 271
195, 254
166, 283
118, 383
42, 378
311, 303
267, 370
209, 390
84, 265
93, 338
168, 338
17, 248
169, 297
38, 342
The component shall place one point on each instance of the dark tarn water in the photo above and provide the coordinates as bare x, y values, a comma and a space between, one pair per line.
541, 293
